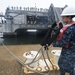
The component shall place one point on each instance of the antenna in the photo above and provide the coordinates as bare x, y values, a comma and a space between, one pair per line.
35, 10
35, 6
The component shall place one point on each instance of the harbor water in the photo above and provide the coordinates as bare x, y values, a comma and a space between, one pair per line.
22, 39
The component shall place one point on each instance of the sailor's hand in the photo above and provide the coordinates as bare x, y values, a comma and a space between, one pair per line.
50, 46
58, 23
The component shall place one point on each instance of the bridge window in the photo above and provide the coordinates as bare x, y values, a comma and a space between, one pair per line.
37, 20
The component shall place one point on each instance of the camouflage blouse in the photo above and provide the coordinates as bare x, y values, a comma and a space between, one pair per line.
67, 57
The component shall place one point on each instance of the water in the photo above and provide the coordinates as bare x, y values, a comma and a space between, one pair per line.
21, 40
25, 38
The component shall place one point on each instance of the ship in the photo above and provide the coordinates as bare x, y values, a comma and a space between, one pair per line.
28, 20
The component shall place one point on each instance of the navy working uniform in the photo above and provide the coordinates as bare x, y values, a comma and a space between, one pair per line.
67, 58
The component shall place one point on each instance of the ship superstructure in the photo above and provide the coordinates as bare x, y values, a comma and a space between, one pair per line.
29, 18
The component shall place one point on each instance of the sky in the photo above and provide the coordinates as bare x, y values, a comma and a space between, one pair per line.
31, 3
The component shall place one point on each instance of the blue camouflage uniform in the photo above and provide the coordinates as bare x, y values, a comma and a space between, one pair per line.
67, 58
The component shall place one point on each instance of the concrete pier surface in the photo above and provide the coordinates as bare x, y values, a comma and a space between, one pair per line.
8, 64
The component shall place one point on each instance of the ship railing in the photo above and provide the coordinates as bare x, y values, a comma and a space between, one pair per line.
33, 26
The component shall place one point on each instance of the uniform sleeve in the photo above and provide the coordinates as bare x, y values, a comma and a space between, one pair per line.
69, 33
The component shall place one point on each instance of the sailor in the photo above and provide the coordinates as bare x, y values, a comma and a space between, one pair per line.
66, 40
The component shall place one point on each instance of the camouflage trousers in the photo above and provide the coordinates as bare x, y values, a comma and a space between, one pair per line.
67, 61
71, 71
